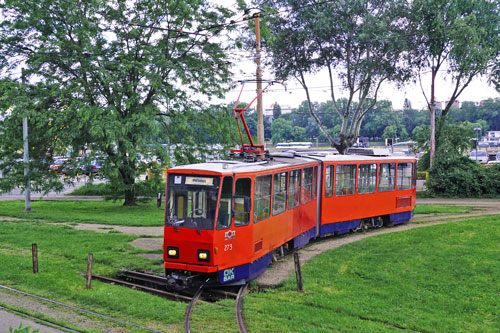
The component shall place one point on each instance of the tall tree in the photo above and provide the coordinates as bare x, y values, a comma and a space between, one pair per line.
108, 70
457, 37
276, 110
357, 42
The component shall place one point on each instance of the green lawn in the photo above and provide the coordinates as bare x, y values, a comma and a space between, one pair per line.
91, 211
435, 209
442, 278
63, 253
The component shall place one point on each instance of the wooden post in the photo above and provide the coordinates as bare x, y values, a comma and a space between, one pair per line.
89, 270
34, 255
298, 272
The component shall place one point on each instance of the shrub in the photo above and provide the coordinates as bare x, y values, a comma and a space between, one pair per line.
459, 176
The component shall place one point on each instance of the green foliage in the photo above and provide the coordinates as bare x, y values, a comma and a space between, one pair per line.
110, 87
22, 329
338, 37
461, 35
92, 189
282, 130
455, 140
460, 176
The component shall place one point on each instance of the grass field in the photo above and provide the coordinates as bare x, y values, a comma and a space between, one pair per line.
431, 279
451, 209
92, 211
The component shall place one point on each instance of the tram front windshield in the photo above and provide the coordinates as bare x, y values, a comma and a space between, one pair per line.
192, 201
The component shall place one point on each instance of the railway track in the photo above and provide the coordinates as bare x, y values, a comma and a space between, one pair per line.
157, 285
197, 295
77, 309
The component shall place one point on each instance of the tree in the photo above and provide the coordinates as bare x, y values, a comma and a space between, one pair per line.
276, 110
282, 130
109, 72
356, 41
458, 36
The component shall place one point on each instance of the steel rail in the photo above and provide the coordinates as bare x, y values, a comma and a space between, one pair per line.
239, 302
43, 321
78, 309
189, 309
158, 292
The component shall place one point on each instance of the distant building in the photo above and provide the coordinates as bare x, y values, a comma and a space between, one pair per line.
442, 105
493, 136
284, 110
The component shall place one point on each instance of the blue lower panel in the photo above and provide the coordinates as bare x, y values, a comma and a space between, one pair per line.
338, 227
399, 218
304, 238
234, 273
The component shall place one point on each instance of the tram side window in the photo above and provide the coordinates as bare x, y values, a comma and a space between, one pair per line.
345, 179
224, 216
307, 185
279, 192
386, 177
262, 198
329, 180
367, 178
414, 184
294, 189
405, 172
315, 183
242, 201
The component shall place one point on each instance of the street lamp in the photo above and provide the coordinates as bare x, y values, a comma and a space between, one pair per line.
477, 129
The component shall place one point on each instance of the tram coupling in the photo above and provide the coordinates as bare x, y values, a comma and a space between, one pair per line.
179, 282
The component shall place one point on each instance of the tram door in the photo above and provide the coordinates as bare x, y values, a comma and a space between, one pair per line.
233, 232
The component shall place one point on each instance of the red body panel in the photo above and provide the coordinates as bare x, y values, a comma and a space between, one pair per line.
365, 205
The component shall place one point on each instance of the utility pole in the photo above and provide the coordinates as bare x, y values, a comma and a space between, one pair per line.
27, 190
433, 118
260, 114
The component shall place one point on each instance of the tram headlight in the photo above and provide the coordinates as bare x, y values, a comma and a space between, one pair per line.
173, 252
203, 255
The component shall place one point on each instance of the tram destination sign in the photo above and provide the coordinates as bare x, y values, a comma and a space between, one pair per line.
205, 181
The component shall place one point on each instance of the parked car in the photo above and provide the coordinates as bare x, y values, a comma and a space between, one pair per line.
91, 168
479, 155
58, 164
496, 160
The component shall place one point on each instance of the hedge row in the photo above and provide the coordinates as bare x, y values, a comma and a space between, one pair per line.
462, 177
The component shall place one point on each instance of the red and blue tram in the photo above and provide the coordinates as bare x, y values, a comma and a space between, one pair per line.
225, 219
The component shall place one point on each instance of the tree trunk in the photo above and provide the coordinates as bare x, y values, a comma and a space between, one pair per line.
345, 142
129, 186
130, 199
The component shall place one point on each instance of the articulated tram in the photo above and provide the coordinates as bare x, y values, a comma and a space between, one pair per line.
224, 220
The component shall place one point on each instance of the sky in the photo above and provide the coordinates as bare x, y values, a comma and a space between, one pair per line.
245, 68
478, 89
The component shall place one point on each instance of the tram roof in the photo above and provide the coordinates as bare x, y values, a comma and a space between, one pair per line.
283, 160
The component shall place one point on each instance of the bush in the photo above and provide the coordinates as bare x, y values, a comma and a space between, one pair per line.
459, 176
145, 190
101, 189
